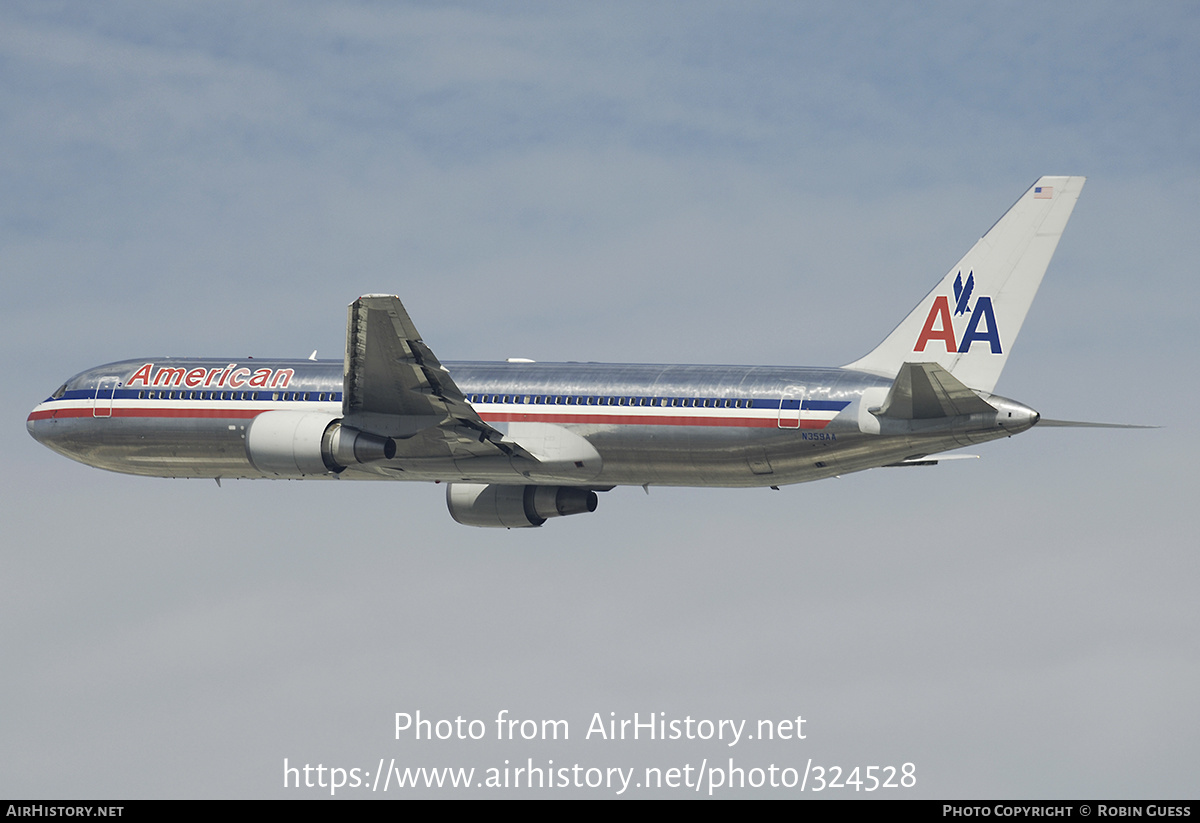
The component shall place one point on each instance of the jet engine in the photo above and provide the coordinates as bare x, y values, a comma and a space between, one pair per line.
514, 507
302, 444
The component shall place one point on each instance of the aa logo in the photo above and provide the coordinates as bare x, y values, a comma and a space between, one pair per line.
939, 324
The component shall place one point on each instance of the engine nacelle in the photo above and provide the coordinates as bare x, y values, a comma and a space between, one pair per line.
515, 507
307, 444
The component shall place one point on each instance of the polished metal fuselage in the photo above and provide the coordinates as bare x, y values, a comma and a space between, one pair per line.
676, 425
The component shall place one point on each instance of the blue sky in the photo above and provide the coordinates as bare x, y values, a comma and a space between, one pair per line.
760, 183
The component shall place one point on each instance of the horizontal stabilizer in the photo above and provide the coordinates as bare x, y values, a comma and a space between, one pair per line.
923, 391
930, 460
1080, 424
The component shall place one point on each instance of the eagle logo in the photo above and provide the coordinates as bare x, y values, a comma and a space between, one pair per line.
962, 294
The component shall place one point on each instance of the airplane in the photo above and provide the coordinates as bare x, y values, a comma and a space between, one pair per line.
520, 442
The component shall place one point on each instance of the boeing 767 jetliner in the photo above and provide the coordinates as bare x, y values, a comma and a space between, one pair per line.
520, 442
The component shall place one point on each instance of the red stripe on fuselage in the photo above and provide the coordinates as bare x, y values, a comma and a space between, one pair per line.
493, 417
47, 414
646, 420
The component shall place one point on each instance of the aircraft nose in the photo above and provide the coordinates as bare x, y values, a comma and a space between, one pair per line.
31, 426
44, 427
48, 427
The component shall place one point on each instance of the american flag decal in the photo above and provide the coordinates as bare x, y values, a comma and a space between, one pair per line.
1043, 192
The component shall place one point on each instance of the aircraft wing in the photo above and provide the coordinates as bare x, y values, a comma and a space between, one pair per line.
394, 386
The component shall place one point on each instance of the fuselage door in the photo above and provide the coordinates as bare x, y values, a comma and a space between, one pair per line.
106, 387
789, 407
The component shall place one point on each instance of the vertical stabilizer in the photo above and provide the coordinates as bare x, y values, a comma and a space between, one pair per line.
968, 324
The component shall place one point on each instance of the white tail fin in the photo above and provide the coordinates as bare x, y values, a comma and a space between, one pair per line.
970, 321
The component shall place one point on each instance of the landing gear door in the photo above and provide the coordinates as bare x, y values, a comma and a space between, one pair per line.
106, 387
789, 407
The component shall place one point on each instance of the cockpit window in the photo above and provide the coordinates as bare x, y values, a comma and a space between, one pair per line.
59, 392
